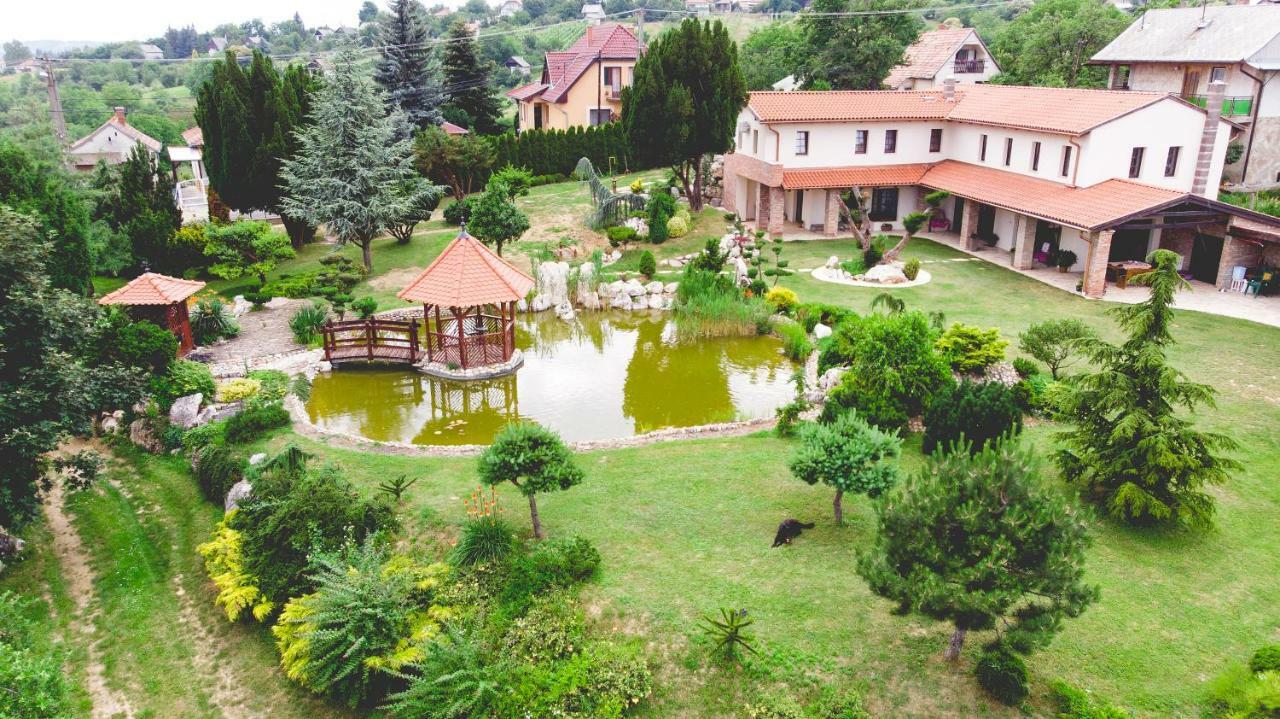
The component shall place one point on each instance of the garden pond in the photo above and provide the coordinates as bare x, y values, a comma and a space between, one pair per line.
607, 375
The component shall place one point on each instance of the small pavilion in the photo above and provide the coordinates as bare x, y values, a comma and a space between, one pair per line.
159, 299
469, 297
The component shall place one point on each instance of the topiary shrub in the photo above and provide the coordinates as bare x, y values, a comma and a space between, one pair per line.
257, 299
365, 307
782, 299
296, 286
661, 207
911, 269
1266, 659
648, 265
677, 226
971, 349
810, 314
253, 422
971, 412
1073, 703
1025, 367
1004, 675
620, 235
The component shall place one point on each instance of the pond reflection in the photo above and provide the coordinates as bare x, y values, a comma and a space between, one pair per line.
608, 375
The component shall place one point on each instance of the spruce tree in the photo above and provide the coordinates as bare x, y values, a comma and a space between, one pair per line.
142, 209
352, 162
1131, 448
684, 101
407, 71
468, 85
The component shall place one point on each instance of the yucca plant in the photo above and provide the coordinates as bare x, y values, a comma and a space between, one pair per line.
395, 488
729, 634
307, 322
211, 320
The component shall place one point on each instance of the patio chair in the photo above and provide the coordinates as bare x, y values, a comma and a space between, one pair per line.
1238, 282
1260, 284
939, 221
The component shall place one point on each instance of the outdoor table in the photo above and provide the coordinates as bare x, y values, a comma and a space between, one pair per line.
1127, 270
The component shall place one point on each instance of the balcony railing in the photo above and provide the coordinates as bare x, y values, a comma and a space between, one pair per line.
1231, 106
975, 65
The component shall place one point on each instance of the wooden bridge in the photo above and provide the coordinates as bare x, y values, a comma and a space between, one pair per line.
371, 340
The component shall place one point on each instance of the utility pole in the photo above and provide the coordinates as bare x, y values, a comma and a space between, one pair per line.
640, 22
55, 103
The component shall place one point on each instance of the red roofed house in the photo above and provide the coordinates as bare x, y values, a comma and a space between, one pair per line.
112, 141
1108, 175
940, 54
582, 85
469, 295
452, 129
159, 299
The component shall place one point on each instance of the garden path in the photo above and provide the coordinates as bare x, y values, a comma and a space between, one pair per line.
262, 332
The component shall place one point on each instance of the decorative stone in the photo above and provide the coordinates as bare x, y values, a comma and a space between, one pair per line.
185, 410
829, 379
885, 275
653, 288
671, 287
257, 459
635, 289
564, 311
621, 302
141, 435
820, 331
109, 424
586, 280
617, 287
522, 305
239, 492
655, 302
1002, 372
239, 305
276, 303
668, 302
553, 281
832, 262
590, 301
541, 303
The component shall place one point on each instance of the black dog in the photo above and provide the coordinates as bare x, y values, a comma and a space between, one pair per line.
789, 530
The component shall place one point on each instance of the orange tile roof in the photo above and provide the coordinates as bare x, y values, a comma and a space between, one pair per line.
525, 92
193, 136
1089, 207
152, 289
1070, 111
607, 41
926, 55
453, 129
869, 176
467, 274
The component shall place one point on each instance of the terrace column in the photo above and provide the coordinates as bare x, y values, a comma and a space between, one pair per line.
1095, 266
831, 223
969, 226
1235, 252
777, 203
762, 207
1024, 243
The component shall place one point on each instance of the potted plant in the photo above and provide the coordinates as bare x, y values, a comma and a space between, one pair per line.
1064, 259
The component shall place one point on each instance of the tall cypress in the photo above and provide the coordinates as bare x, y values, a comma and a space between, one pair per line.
406, 71
468, 83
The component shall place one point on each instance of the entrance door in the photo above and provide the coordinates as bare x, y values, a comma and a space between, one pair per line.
1048, 235
986, 221
1190, 82
1206, 252
800, 207
537, 117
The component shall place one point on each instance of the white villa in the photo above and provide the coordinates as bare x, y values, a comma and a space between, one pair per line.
112, 142
945, 53
1107, 175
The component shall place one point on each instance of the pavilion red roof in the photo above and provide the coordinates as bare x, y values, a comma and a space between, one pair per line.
152, 289
467, 274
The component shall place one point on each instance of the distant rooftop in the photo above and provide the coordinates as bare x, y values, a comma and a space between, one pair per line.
1216, 33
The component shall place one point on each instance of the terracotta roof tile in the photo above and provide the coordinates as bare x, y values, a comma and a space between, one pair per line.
927, 55
848, 105
608, 41
868, 176
1090, 207
525, 92
193, 136
152, 289
453, 129
467, 274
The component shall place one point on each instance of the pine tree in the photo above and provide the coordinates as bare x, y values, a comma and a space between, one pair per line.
26, 185
980, 542
1130, 449
407, 71
143, 210
468, 85
684, 101
352, 161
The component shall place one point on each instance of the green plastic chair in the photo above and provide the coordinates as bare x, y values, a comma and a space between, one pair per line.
1258, 285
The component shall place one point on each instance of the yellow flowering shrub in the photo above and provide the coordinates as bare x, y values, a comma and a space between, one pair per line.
239, 388
781, 299
237, 590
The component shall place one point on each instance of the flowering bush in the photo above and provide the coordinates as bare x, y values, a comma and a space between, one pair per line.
240, 388
781, 299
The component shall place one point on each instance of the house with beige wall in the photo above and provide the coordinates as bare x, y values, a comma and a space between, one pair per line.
945, 53
1032, 171
581, 86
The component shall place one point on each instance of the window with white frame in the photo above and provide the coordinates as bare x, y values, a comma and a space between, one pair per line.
802, 142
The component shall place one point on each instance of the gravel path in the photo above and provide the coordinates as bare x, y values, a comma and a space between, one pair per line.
262, 332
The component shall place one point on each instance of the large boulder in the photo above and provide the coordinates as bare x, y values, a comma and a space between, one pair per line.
553, 281
239, 492
885, 275
635, 288
832, 262
621, 301
186, 410
540, 303
590, 301
820, 331
565, 311
141, 434
654, 288
522, 305
671, 287
257, 459
655, 302
586, 280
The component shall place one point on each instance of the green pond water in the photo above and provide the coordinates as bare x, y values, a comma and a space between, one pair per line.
610, 375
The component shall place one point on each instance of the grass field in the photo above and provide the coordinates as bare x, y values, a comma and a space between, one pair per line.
684, 528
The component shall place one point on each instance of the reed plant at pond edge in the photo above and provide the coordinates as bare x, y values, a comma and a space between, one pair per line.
710, 305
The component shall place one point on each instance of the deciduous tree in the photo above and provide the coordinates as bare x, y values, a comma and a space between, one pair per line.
406, 71
849, 455
245, 248
495, 219
462, 162
1050, 43
857, 52
684, 101
352, 160
63, 212
772, 52
532, 458
981, 543
1130, 447
1053, 342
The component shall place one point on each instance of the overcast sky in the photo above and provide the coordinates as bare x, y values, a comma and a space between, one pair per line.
30, 20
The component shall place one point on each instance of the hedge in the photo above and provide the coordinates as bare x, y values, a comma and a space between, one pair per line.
549, 152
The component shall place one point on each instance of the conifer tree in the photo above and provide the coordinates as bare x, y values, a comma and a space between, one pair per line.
1130, 447
352, 162
407, 71
142, 209
468, 87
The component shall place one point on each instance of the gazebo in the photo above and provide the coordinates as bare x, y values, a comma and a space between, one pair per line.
468, 297
160, 299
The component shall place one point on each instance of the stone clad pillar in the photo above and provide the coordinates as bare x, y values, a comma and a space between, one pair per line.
777, 202
762, 207
1095, 266
831, 223
1024, 243
1235, 252
969, 225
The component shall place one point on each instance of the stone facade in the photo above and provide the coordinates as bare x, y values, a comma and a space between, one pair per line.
1024, 243
1095, 267
832, 219
1236, 252
969, 226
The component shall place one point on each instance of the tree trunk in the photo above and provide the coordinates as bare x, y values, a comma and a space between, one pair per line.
893, 253
366, 252
957, 643
402, 233
300, 233
695, 197
533, 517
838, 505
859, 232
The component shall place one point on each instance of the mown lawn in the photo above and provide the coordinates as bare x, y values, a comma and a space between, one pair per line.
684, 528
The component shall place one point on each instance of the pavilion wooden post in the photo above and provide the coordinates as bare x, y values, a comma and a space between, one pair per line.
426, 327
462, 347
327, 334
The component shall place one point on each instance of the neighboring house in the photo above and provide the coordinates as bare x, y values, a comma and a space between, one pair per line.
30, 66
518, 64
452, 129
151, 52
194, 137
1182, 50
593, 12
507, 8
701, 7
112, 142
1031, 170
786, 84
582, 85
216, 46
940, 54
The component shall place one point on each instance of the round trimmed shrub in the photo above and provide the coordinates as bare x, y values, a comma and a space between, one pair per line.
969, 348
971, 412
677, 226
911, 268
1004, 675
782, 299
1266, 659
648, 265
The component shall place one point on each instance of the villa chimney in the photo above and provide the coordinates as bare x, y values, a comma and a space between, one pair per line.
949, 89
1213, 115
119, 118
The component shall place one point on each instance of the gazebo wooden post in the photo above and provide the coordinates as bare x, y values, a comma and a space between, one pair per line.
426, 327
508, 329
462, 346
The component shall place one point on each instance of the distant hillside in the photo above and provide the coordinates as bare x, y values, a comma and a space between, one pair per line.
40, 47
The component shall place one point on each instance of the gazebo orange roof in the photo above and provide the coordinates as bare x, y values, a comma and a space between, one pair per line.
152, 288
467, 274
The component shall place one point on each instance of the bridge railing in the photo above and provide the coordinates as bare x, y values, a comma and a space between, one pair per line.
371, 339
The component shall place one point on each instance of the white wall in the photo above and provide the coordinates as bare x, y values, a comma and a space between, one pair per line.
108, 140
965, 142
832, 144
1108, 149
1073, 240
